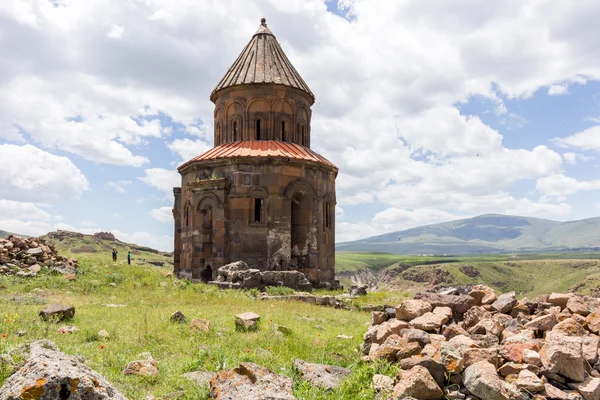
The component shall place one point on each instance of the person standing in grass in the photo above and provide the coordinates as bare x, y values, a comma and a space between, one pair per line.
129, 257
114, 254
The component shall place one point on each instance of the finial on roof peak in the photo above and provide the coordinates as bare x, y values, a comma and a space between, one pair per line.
263, 21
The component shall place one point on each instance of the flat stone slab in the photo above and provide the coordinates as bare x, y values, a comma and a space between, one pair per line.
57, 312
326, 376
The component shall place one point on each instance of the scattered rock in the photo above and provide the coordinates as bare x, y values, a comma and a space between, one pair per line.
142, 368
505, 303
326, 376
247, 321
201, 325
250, 382
57, 312
417, 382
51, 374
178, 317
102, 334
482, 380
411, 309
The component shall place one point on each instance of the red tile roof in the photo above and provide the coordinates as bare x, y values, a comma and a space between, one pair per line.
260, 148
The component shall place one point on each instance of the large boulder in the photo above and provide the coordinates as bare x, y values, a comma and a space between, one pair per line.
483, 294
250, 382
457, 303
505, 303
411, 309
417, 382
49, 374
563, 355
482, 380
327, 376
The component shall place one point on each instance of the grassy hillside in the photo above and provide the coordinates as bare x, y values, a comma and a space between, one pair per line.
527, 274
76, 245
142, 324
484, 235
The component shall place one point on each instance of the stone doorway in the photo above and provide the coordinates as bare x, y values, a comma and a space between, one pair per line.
300, 230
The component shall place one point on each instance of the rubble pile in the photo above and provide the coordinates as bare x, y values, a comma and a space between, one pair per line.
484, 346
238, 275
26, 257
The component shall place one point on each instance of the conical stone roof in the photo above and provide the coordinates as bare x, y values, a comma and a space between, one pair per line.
262, 61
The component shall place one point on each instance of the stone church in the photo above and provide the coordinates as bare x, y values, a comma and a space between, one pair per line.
261, 195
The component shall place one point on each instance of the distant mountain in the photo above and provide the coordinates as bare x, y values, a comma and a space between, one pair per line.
4, 234
490, 233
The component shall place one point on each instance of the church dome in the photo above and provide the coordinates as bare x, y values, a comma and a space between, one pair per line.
262, 62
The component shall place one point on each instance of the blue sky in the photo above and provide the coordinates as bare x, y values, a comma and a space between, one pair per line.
432, 112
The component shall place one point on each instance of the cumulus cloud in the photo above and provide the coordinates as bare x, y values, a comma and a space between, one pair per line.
163, 214
561, 185
162, 179
30, 174
187, 149
588, 139
389, 80
27, 211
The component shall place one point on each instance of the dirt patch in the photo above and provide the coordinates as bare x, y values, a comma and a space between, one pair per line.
86, 248
469, 271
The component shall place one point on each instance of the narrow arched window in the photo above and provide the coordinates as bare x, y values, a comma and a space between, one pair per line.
302, 138
218, 134
326, 216
297, 133
283, 131
186, 215
235, 130
258, 129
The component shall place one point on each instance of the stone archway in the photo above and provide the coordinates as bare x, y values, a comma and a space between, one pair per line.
300, 230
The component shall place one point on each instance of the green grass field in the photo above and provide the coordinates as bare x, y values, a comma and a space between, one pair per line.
143, 326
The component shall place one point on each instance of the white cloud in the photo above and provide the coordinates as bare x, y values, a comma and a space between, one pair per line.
588, 139
115, 32
573, 158
389, 84
187, 149
557, 90
162, 179
27, 211
118, 186
163, 214
29, 174
561, 185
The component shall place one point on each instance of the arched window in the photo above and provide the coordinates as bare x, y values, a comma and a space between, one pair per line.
258, 129
235, 130
283, 131
218, 135
326, 216
186, 215
297, 132
302, 138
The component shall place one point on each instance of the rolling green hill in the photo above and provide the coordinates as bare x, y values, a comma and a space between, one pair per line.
485, 234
